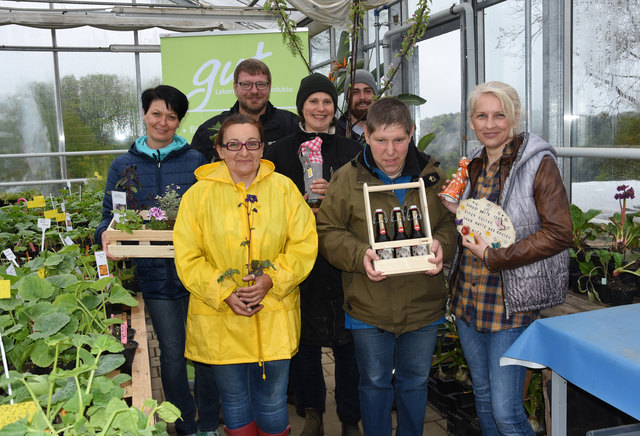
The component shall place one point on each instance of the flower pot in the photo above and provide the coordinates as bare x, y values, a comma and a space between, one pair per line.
128, 353
117, 334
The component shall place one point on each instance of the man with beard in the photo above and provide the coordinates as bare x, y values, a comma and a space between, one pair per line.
364, 89
252, 87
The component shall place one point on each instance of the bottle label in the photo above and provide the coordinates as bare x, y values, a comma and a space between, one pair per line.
403, 252
419, 250
385, 253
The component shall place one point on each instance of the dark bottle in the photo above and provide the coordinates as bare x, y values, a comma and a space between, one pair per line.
400, 234
381, 235
414, 216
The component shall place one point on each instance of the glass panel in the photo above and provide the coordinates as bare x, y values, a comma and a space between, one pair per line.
319, 46
606, 95
86, 36
440, 86
99, 105
27, 116
24, 36
436, 5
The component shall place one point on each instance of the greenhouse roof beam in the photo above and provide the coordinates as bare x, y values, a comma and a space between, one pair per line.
135, 18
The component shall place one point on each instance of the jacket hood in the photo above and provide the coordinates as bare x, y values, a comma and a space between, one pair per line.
219, 172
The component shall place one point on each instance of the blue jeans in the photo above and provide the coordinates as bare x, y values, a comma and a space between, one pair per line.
247, 397
309, 380
378, 353
498, 389
169, 318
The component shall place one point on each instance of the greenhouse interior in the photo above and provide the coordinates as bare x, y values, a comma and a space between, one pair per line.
75, 105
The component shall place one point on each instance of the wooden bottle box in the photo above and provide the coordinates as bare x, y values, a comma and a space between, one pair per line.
142, 238
403, 265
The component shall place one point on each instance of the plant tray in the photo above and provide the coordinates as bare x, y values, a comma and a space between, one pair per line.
141, 243
404, 265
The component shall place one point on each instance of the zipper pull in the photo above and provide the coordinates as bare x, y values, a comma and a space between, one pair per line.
159, 159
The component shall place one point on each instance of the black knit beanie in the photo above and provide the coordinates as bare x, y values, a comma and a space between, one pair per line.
315, 82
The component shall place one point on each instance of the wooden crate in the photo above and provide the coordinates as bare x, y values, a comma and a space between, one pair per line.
142, 239
404, 265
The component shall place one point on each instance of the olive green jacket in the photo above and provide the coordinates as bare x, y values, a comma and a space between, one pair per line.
398, 304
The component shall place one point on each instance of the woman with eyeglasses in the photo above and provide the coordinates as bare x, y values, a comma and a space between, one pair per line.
244, 239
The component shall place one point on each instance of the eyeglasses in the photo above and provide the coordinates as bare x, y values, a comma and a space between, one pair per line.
237, 146
260, 86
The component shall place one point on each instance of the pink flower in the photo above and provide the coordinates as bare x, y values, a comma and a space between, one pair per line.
157, 213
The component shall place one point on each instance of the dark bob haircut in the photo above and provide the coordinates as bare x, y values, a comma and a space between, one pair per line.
172, 97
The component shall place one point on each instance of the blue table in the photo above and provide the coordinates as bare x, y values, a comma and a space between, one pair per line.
599, 351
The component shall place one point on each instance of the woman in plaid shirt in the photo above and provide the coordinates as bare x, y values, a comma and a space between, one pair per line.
496, 293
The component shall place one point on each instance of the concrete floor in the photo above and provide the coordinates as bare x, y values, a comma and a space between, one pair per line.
434, 423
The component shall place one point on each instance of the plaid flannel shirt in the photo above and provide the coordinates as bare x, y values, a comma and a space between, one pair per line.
477, 294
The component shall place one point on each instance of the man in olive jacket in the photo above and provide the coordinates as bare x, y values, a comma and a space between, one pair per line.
393, 320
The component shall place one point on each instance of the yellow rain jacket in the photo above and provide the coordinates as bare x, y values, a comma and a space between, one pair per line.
211, 225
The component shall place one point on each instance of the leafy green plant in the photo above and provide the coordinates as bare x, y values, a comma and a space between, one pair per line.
129, 221
534, 402
84, 400
51, 299
255, 267
583, 229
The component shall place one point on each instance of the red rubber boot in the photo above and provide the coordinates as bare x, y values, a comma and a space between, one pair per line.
250, 429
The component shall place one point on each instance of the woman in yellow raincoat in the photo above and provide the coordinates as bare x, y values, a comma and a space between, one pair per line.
244, 239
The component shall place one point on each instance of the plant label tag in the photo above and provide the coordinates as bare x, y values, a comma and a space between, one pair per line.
51, 214
118, 200
44, 223
603, 281
123, 332
67, 222
38, 201
8, 253
5, 291
101, 264
63, 207
68, 240
11, 270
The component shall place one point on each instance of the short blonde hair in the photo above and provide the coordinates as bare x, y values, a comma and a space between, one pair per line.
507, 95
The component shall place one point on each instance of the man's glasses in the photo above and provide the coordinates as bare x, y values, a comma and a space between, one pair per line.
260, 86
237, 146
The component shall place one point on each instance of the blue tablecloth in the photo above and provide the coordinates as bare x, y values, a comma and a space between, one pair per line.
598, 351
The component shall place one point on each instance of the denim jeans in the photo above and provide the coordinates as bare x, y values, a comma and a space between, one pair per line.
169, 318
310, 388
247, 397
378, 353
498, 389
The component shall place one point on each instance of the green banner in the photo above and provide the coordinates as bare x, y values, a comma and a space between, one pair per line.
201, 65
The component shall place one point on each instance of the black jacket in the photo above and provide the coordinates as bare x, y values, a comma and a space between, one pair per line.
321, 293
276, 124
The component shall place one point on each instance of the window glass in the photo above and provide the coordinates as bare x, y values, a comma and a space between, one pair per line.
99, 106
86, 36
505, 54
13, 34
27, 116
606, 95
440, 86
319, 46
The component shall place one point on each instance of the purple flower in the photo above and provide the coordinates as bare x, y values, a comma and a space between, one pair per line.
626, 193
157, 213
251, 198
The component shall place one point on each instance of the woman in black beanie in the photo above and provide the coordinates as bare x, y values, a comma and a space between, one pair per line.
309, 157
